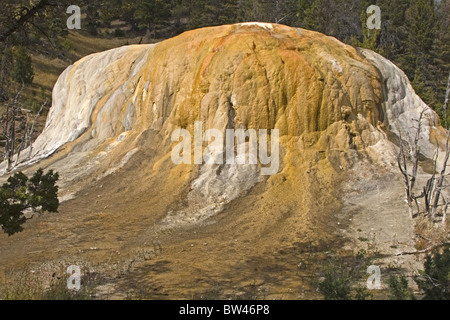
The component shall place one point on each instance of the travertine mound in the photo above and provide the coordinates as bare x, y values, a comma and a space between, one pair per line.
334, 106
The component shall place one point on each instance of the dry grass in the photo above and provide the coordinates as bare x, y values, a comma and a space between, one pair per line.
30, 284
48, 68
429, 233
78, 45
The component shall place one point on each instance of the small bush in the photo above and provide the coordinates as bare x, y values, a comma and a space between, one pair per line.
336, 284
67, 45
361, 293
398, 288
435, 279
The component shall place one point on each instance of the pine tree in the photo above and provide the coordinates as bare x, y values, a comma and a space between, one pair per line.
43, 190
22, 71
314, 15
417, 60
217, 12
279, 11
435, 279
13, 201
440, 55
420, 28
152, 15
203, 13
340, 18
21, 193
370, 36
228, 12
393, 30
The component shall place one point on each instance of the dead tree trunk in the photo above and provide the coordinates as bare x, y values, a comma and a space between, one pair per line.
446, 102
429, 187
9, 129
27, 139
22, 143
415, 151
11, 137
440, 181
29, 136
402, 165
402, 161
438, 245
444, 212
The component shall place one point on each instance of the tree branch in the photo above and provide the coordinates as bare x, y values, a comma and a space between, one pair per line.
403, 253
24, 18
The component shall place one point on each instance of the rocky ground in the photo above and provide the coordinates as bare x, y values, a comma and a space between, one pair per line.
223, 257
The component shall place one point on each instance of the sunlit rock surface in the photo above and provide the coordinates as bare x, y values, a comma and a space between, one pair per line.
334, 106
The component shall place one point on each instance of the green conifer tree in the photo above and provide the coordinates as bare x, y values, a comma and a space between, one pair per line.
22, 71
20, 193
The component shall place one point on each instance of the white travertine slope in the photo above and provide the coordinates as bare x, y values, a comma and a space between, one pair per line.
402, 105
80, 88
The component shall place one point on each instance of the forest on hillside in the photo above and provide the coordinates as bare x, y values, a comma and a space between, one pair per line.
414, 34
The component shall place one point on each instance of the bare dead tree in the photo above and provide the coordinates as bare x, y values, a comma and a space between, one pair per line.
29, 133
27, 137
415, 150
433, 247
409, 178
444, 213
432, 191
440, 181
436, 184
434, 187
446, 102
402, 165
429, 186
22, 143
9, 128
